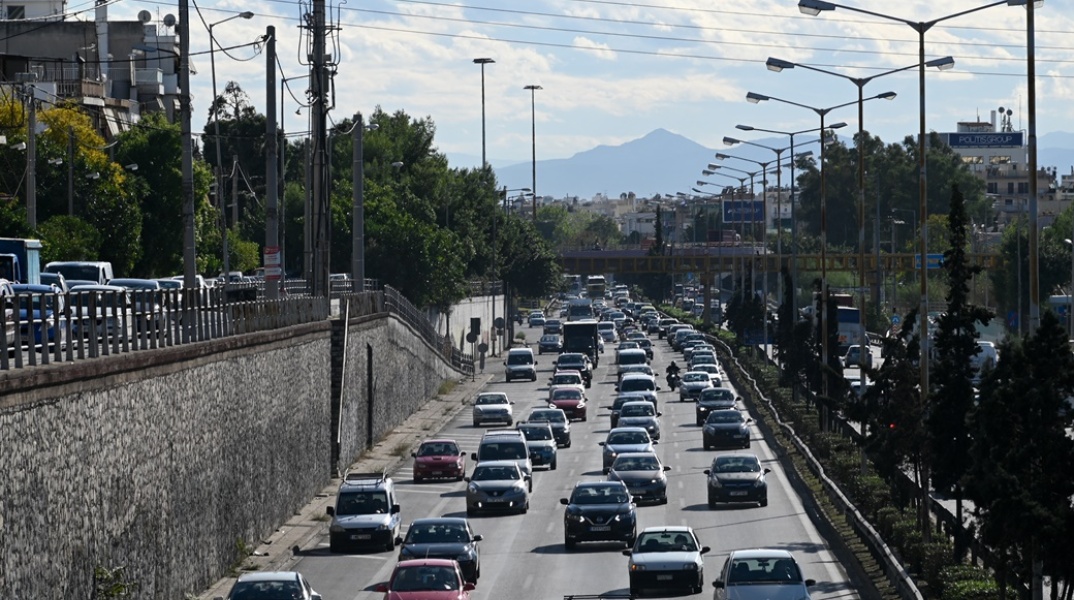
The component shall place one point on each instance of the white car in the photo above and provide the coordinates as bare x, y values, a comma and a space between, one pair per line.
667, 557
493, 406
761, 574
692, 383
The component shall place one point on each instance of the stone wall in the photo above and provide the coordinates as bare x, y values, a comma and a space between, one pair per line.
164, 462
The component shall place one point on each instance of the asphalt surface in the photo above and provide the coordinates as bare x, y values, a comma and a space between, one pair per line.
522, 556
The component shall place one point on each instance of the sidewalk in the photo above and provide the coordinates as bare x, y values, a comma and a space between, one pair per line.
277, 553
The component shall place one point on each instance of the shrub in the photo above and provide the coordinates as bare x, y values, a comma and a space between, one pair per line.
935, 557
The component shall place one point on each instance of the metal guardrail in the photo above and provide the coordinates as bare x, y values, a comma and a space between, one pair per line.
44, 328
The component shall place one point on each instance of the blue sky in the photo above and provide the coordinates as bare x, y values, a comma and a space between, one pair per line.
612, 71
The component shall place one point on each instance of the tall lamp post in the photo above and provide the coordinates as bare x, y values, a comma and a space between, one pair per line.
533, 131
483, 62
822, 112
814, 8
778, 65
216, 136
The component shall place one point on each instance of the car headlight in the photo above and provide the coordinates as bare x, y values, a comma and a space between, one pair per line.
758, 483
575, 518
581, 404
471, 489
715, 482
336, 529
383, 527
617, 518
636, 567
465, 556
690, 567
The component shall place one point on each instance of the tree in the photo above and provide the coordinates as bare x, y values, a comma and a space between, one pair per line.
951, 396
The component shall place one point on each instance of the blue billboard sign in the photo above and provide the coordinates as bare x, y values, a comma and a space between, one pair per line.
743, 211
935, 261
1006, 139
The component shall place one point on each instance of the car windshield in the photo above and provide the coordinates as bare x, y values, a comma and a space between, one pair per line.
438, 449
495, 473
362, 503
736, 464
717, 394
437, 533
506, 451
640, 384
637, 410
536, 433
764, 570
726, 416
695, 377
425, 578
666, 541
636, 463
266, 590
604, 494
519, 359
628, 437
628, 345
550, 339
491, 399
566, 380
566, 394
548, 416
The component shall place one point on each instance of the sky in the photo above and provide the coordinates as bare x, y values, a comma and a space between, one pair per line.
613, 70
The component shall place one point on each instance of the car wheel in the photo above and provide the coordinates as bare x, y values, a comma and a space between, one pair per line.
712, 502
470, 512
417, 479
700, 423
459, 477
477, 423
635, 591
764, 500
705, 445
390, 545
334, 547
552, 467
584, 419
534, 378
568, 544
525, 507
606, 469
568, 444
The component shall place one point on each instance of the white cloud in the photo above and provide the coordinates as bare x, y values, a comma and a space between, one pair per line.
601, 50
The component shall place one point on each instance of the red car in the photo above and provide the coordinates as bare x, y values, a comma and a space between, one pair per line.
570, 400
426, 579
439, 459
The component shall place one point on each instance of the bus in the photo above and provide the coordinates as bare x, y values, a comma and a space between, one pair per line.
573, 283
849, 327
595, 287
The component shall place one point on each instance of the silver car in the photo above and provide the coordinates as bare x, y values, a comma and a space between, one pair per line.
640, 413
762, 574
624, 439
692, 383
497, 485
493, 406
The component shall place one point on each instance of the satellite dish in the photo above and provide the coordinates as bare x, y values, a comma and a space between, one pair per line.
1009, 112
169, 20
1001, 109
145, 16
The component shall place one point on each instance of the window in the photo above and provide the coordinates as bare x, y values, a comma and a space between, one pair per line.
999, 160
1010, 187
15, 12
1023, 187
993, 187
972, 160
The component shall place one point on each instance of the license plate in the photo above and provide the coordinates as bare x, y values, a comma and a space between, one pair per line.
437, 472
741, 493
495, 501
663, 577
601, 528
362, 536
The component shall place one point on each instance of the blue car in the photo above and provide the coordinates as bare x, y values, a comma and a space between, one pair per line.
40, 308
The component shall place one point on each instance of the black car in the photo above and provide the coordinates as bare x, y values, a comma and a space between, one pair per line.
715, 398
557, 419
726, 428
553, 326
549, 343
444, 537
646, 345
737, 478
599, 511
576, 361
643, 475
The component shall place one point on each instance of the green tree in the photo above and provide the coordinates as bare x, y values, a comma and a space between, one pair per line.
68, 238
951, 396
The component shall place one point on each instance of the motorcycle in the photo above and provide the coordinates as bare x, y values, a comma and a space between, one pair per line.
673, 380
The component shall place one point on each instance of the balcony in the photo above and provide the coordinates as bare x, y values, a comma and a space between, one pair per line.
149, 81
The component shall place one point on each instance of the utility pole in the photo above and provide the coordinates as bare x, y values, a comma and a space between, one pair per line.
319, 115
187, 146
70, 171
358, 218
31, 155
234, 190
273, 259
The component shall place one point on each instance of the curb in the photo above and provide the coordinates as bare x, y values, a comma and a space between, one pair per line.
281, 550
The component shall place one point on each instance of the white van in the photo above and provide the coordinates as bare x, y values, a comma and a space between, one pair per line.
521, 364
98, 271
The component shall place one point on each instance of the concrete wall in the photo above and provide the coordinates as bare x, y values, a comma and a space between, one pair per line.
457, 324
161, 462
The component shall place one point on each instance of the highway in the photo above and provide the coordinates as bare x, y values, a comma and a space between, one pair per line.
523, 557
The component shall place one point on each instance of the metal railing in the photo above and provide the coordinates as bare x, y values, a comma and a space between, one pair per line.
44, 328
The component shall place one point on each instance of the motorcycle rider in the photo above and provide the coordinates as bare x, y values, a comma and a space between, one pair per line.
672, 374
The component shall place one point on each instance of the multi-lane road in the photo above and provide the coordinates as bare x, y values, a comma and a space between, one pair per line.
523, 557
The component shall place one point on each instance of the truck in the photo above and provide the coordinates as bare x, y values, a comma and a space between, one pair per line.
20, 260
579, 309
581, 336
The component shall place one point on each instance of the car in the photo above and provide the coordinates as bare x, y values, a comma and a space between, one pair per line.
520, 364
549, 343
726, 427
652, 326
637, 382
439, 459
647, 345
643, 475
566, 379
599, 511
494, 407
624, 346
636, 336
571, 400
761, 574
56, 279
40, 314
702, 358
666, 557
853, 357
692, 383
366, 513
505, 444
714, 398
696, 346
497, 485
621, 440
541, 442
714, 371
625, 397
607, 332
662, 326
576, 361
426, 579
643, 369
270, 585
553, 326
640, 413
536, 319
557, 420
737, 478
449, 538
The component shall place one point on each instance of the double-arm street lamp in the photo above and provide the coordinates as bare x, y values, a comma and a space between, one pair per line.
822, 112
533, 132
814, 8
778, 65
483, 62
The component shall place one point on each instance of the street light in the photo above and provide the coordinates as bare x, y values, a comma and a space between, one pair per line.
533, 130
483, 62
216, 135
822, 112
814, 8
777, 65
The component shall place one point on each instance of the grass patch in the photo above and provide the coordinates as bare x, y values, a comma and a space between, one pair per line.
446, 387
402, 449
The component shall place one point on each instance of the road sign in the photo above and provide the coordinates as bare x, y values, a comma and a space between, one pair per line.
471, 337
743, 211
271, 257
498, 323
482, 347
935, 261
1012, 319
896, 319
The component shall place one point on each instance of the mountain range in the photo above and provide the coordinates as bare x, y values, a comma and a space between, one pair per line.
664, 162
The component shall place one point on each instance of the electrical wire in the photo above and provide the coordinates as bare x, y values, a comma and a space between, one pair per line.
212, 38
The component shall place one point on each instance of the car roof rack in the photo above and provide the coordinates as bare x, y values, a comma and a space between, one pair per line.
356, 476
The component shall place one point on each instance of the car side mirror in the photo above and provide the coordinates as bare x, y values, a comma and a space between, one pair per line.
382, 587
708, 471
395, 509
705, 549
658, 388
469, 586
330, 511
414, 454
767, 471
659, 414
473, 456
527, 478
738, 399
466, 479
564, 501
750, 420
462, 453
627, 552
478, 537
667, 468
598, 443
810, 582
316, 596
655, 442
717, 583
